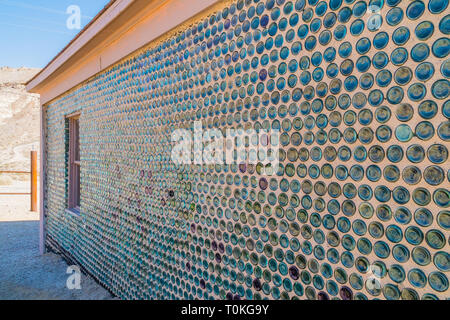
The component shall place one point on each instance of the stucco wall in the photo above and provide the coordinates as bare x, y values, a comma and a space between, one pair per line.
150, 229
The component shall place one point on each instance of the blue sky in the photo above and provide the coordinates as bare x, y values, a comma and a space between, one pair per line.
32, 32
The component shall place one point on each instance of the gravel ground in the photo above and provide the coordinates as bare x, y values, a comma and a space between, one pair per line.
26, 275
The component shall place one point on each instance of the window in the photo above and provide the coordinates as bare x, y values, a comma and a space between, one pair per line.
74, 163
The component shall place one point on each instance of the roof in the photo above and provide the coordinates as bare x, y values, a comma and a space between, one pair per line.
121, 28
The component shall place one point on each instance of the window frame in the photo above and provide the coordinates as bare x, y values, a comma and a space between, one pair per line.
74, 164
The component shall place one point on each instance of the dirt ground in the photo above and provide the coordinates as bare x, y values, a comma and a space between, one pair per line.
16, 207
26, 275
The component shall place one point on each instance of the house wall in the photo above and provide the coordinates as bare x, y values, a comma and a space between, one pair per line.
151, 229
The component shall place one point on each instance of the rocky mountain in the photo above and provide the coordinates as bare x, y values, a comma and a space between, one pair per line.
19, 122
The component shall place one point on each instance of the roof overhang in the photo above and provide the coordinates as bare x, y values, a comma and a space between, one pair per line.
121, 28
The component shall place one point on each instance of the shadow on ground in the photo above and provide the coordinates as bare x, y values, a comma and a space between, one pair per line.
26, 275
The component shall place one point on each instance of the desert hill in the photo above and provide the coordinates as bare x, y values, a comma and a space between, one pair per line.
19, 122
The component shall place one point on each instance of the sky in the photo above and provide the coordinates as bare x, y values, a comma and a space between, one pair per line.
33, 32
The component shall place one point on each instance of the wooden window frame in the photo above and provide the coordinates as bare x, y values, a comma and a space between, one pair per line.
74, 192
